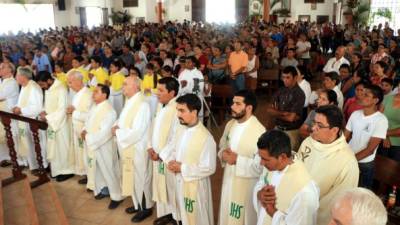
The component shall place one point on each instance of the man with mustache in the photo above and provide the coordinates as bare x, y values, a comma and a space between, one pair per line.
193, 161
238, 151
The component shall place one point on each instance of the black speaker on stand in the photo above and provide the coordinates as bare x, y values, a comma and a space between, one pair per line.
61, 5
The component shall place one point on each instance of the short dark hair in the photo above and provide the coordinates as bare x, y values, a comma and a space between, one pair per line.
387, 80
79, 58
97, 59
104, 89
333, 76
249, 98
44, 76
290, 70
333, 115
376, 92
345, 66
276, 142
191, 101
133, 67
383, 65
117, 63
167, 69
171, 84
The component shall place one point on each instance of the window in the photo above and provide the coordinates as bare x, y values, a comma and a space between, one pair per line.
393, 6
130, 3
28, 17
220, 11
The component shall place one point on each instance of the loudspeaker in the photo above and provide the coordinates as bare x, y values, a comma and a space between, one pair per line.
61, 5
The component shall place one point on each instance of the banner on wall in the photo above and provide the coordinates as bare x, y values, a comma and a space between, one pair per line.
256, 7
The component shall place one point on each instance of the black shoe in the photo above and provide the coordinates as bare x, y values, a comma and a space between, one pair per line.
114, 204
141, 215
61, 178
131, 210
82, 181
164, 220
100, 196
5, 163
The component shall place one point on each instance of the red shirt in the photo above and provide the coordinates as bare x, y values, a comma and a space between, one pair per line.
350, 106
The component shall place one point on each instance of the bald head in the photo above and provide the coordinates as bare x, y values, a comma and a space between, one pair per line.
131, 86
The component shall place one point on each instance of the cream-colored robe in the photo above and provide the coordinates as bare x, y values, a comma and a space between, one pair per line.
161, 135
102, 152
297, 196
200, 172
30, 101
59, 151
9, 91
333, 167
82, 102
240, 137
136, 134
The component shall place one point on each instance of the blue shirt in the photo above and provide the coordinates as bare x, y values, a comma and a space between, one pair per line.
41, 63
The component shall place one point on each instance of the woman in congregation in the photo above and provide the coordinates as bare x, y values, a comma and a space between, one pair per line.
391, 109
325, 97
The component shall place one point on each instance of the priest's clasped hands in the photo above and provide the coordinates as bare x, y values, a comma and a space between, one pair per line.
16, 110
153, 154
42, 116
174, 166
229, 156
267, 198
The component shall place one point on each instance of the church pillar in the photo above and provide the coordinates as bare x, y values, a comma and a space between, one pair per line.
266, 10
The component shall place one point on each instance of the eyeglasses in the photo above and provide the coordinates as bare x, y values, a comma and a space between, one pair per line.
319, 125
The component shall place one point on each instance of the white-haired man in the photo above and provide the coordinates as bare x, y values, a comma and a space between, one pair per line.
9, 91
131, 132
358, 206
30, 104
80, 106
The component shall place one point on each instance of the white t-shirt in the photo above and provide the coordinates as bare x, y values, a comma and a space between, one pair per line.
302, 46
363, 128
339, 96
333, 65
305, 86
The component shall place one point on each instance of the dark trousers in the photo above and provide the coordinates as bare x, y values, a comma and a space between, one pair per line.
394, 153
238, 83
367, 171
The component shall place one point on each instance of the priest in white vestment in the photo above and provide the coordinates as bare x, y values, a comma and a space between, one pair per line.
30, 104
9, 91
328, 158
59, 153
103, 171
131, 134
238, 155
160, 140
285, 193
193, 159
80, 106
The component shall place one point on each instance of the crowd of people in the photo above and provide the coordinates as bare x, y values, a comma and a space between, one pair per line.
125, 106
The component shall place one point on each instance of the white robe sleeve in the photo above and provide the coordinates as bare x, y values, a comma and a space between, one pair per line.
206, 165
167, 153
8, 90
248, 167
259, 185
97, 139
129, 136
35, 105
302, 210
57, 118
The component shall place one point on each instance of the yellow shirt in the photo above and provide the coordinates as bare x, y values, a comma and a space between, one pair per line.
100, 74
148, 83
84, 73
62, 77
117, 80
